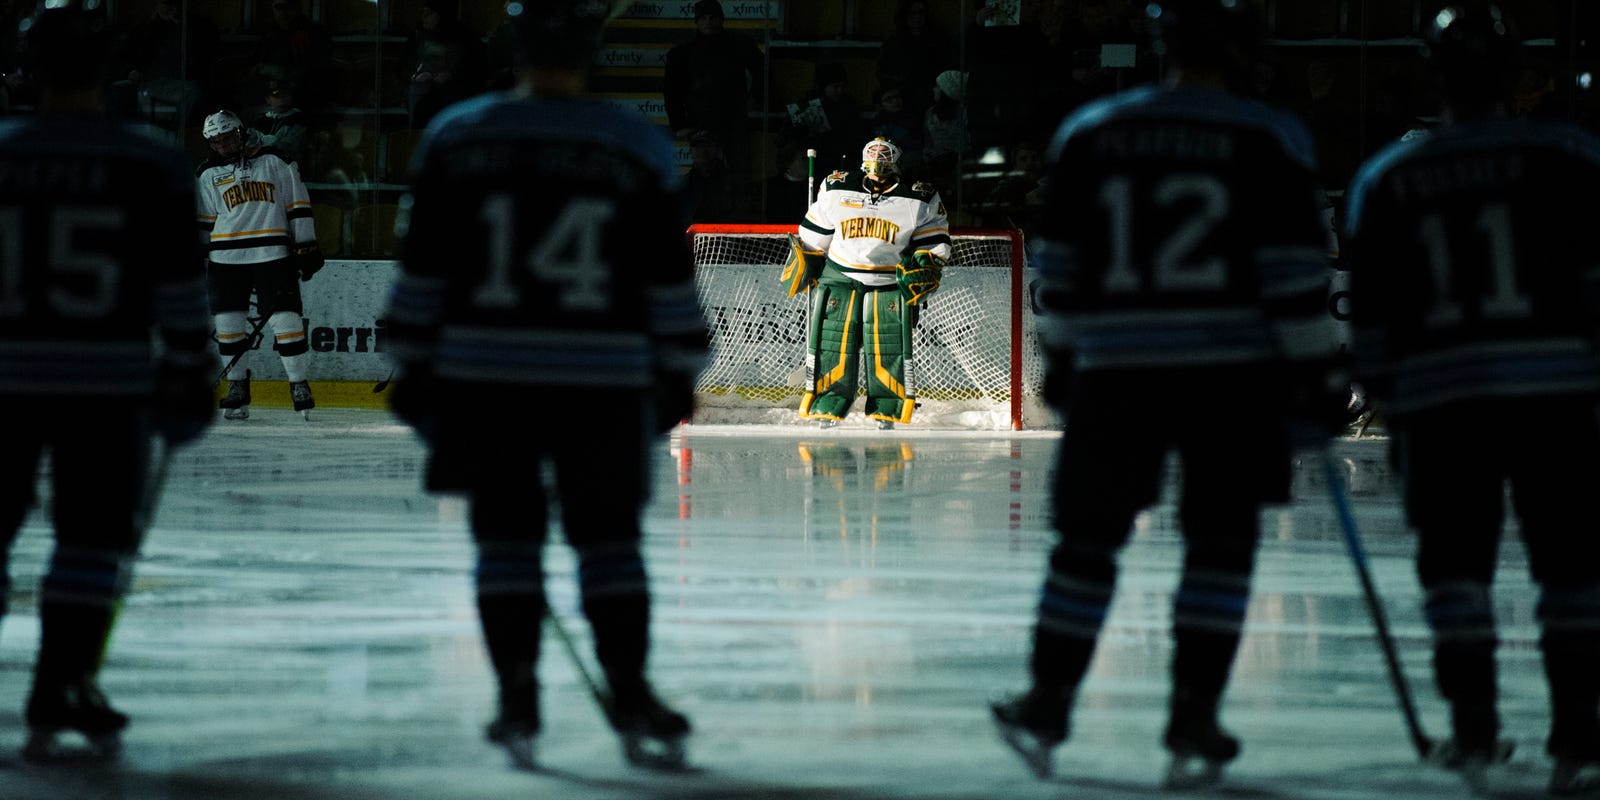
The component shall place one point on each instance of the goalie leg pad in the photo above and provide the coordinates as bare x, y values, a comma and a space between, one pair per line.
837, 320
891, 380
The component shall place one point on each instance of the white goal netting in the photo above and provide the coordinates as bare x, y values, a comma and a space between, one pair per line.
978, 363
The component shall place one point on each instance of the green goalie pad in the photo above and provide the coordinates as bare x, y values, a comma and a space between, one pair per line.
918, 275
802, 268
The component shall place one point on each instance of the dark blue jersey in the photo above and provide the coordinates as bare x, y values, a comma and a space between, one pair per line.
543, 243
101, 274
1472, 272
1182, 227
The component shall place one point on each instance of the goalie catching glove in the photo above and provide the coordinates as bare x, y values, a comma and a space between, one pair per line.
803, 267
918, 275
307, 259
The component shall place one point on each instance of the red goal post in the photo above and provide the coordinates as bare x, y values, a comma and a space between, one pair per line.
977, 360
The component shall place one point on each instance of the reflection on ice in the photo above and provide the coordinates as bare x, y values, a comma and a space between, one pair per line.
833, 611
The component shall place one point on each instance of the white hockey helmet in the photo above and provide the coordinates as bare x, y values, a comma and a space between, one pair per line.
220, 123
880, 158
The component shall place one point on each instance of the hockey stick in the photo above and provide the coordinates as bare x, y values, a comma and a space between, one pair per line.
377, 388
155, 482
1425, 746
251, 342
800, 376
600, 697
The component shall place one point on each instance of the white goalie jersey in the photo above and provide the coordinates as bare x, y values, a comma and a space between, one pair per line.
253, 210
865, 234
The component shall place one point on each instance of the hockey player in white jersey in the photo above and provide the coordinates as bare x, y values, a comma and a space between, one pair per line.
256, 215
885, 246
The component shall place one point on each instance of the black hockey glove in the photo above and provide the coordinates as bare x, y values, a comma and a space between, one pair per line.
415, 399
308, 259
674, 399
1319, 406
1058, 378
184, 405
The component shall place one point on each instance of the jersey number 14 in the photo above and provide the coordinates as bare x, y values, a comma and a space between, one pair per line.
566, 257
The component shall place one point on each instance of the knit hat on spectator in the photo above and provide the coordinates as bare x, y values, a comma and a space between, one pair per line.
707, 8
952, 83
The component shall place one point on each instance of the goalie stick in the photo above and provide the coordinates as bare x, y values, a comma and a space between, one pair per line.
811, 177
1427, 749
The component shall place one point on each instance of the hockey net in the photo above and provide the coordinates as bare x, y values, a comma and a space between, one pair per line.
977, 360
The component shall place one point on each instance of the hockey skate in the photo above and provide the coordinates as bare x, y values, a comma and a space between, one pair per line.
1200, 749
885, 425
1033, 726
236, 404
1475, 747
1471, 763
652, 734
828, 423
300, 393
79, 709
1576, 776
516, 737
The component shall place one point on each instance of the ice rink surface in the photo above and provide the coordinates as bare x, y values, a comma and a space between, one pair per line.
832, 609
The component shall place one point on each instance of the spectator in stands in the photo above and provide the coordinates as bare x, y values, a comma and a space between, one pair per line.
1016, 198
166, 58
1011, 66
832, 120
945, 132
710, 80
894, 120
11, 78
913, 55
299, 49
501, 52
282, 125
448, 61
788, 194
709, 188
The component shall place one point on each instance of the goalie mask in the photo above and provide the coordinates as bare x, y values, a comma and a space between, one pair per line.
881, 159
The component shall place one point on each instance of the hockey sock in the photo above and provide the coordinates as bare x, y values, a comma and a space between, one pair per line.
1208, 614
289, 339
78, 605
1464, 641
616, 600
1570, 643
511, 609
1072, 607
1208, 609
233, 338
294, 367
